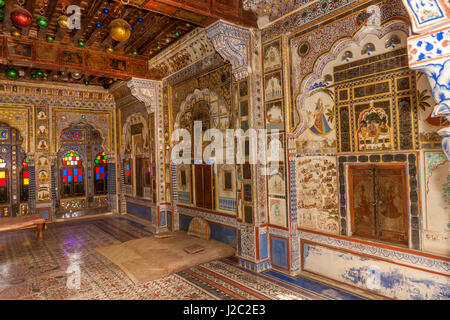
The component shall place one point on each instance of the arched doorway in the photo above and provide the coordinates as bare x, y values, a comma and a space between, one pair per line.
16, 181
81, 172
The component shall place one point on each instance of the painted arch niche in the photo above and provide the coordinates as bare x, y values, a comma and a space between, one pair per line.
81, 170
15, 178
316, 136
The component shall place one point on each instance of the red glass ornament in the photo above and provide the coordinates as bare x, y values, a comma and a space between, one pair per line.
21, 17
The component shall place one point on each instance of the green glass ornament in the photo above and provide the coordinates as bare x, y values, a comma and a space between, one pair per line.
50, 38
81, 43
2, 3
135, 53
86, 82
2, 15
34, 75
177, 33
42, 22
12, 73
39, 73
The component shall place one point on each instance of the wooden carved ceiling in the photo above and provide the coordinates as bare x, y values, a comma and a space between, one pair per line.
88, 54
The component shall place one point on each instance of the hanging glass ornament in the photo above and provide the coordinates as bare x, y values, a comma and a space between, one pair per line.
119, 30
20, 17
63, 21
16, 33
34, 75
39, 73
106, 86
109, 50
86, 82
12, 73
2, 15
42, 22
76, 75
98, 25
135, 53
2, 3
81, 43
105, 10
50, 38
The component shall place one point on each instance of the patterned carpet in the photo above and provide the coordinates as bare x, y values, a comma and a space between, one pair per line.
40, 270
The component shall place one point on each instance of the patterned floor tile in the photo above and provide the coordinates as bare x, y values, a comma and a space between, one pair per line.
30, 269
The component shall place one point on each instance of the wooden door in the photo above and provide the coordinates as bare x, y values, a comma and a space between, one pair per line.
362, 200
198, 185
377, 198
203, 186
392, 218
207, 186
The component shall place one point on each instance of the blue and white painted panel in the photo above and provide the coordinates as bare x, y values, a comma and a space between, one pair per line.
381, 277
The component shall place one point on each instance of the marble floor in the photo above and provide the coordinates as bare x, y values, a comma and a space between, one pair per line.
66, 266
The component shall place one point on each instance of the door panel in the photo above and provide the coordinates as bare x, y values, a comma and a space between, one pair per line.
391, 204
378, 202
207, 187
362, 201
199, 186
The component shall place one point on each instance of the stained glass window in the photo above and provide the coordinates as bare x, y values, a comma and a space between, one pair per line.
100, 174
25, 180
72, 176
127, 171
101, 158
3, 134
3, 182
72, 159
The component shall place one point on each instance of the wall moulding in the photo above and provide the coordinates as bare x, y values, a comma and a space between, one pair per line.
232, 43
194, 47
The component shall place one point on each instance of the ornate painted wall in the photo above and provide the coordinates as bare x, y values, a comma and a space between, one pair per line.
42, 114
355, 103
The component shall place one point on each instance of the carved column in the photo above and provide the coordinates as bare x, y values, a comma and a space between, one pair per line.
429, 52
241, 47
150, 93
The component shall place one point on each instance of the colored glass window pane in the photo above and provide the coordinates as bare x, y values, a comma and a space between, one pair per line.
2, 174
2, 182
26, 174
72, 159
3, 134
26, 182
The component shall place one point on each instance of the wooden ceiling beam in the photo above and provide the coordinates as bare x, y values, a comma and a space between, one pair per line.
162, 35
156, 29
29, 6
49, 12
85, 18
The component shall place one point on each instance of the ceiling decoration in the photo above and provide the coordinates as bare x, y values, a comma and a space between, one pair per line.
268, 11
107, 40
200, 12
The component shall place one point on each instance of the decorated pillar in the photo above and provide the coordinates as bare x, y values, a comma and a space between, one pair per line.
241, 47
149, 92
429, 52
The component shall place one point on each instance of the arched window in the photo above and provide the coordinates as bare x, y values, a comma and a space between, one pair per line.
24, 181
100, 174
3, 182
72, 176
